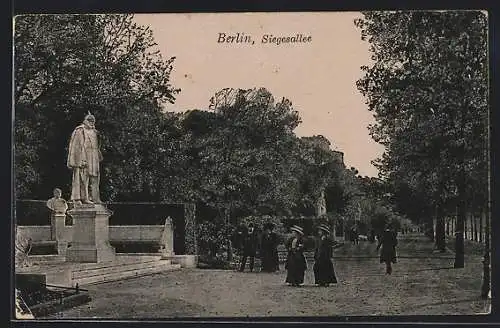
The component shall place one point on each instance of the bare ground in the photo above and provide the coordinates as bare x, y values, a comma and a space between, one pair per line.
423, 283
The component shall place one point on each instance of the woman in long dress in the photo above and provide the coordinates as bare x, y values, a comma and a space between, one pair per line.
388, 241
296, 262
324, 273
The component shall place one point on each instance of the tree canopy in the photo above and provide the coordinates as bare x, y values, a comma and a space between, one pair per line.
428, 91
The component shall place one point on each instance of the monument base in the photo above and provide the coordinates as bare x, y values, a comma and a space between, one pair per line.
90, 235
86, 254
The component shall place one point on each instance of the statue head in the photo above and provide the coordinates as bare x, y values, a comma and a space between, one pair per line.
57, 193
89, 120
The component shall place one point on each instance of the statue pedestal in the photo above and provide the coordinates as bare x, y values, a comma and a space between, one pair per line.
90, 235
167, 240
58, 232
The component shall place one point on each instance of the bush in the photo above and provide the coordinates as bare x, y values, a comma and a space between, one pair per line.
209, 262
259, 222
213, 236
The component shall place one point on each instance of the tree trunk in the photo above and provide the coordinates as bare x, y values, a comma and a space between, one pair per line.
440, 237
481, 226
453, 225
461, 217
228, 241
476, 232
485, 288
466, 235
471, 226
472, 232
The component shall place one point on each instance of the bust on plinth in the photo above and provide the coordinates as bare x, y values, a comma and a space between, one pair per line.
58, 208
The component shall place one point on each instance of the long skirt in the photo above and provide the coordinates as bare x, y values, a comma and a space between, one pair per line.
270, 262
388, 254
296, 267
324, 272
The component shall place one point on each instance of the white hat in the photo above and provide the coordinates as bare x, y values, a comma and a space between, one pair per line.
298, 229
324, 227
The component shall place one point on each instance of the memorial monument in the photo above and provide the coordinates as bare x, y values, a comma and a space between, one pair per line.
90, 241
58, 208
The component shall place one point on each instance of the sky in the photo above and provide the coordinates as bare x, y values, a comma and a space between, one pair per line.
318, 77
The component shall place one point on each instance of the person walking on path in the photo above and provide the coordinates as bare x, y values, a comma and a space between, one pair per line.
354, 235
249, 247
296, 262
324, 273
388, 241
269, 250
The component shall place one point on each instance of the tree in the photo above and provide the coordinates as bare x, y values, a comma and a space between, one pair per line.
240, 154
66, 65
428, 91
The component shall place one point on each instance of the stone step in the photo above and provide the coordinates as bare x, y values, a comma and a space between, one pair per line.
120, 274
42, 259
120, 260
95, 271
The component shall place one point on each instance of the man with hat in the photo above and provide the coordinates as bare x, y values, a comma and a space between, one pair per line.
84, 157
249, 244
296, 264
269, 250
324, 274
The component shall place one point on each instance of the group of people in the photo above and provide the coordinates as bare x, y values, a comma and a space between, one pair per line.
296, 264
248, 242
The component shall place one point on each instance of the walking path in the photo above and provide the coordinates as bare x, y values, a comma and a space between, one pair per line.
423, 283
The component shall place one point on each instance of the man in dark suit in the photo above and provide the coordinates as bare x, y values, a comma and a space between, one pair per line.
249, 245
268, 249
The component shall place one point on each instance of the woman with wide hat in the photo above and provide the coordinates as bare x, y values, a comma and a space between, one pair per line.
324, 274
296, 262
388, 241
269, 250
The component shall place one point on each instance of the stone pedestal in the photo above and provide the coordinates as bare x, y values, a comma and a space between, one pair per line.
58, 232
167, 239
90, 241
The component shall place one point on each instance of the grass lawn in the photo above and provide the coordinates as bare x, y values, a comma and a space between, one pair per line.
423, 283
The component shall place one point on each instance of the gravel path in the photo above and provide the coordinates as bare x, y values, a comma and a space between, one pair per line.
427, 285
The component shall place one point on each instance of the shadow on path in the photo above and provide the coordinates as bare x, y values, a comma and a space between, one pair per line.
434, 269
457, 301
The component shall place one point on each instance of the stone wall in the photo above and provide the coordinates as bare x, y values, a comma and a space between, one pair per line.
36, 233
138, 233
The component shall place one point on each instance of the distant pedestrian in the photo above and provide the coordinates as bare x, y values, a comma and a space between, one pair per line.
388, 241
269, 249
324, 273
249, 247
296, 262
354, 235
237, 238
371, 236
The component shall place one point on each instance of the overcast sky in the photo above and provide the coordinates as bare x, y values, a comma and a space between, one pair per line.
318, 77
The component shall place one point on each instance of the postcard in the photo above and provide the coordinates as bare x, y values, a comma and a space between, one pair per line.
251, 165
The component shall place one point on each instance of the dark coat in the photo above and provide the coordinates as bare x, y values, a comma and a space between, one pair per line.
296, 262
388, 241
249, 243
269, 252
324, 272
